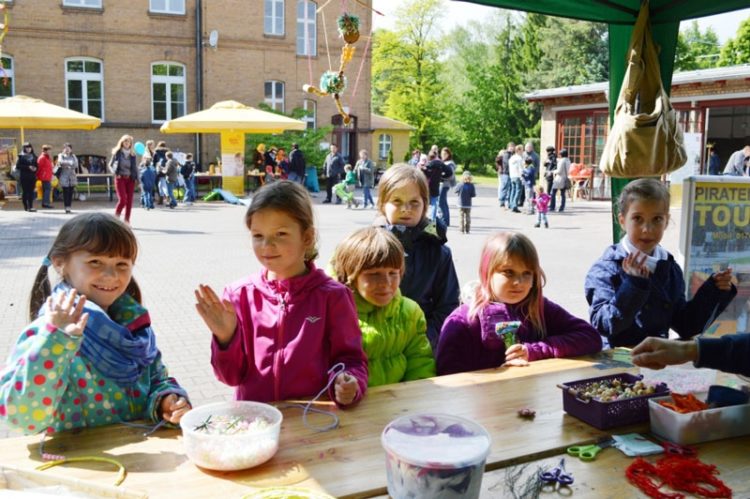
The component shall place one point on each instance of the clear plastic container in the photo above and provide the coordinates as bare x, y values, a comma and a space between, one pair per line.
439, 456
230, 436
681, 378
700, 426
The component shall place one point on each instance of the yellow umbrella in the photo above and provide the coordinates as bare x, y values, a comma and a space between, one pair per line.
27, 112
231, 116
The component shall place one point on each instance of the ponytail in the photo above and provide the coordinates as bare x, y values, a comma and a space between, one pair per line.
39, 292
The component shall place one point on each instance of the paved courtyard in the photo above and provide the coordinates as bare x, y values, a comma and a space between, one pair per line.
208, 243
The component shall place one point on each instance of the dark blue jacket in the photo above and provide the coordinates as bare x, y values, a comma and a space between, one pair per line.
729, 353
465, 191
147, 174
529, 176
430, 278
627, 309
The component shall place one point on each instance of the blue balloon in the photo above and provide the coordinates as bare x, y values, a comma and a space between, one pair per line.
139, 148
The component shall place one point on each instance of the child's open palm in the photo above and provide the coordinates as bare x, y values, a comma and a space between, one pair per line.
219, 315
67, 315
635, 264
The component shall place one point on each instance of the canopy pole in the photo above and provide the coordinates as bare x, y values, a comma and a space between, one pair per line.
22, 140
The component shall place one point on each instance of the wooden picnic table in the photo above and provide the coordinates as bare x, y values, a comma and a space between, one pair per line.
349, 461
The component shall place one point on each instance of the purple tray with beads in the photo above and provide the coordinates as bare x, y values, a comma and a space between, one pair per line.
604, 415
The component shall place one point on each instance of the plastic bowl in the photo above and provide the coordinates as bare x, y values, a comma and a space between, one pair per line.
435, 455
228, 436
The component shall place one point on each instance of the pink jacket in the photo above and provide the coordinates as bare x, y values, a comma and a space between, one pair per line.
289, 333
44, 170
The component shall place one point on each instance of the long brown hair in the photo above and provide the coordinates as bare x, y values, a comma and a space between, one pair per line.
97, 233
365, 249
497, 250
399, 175
290, 198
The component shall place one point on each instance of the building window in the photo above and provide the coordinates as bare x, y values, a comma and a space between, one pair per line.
167, 6
311, 107
83, 86
88, 4
307, 39
275, 95
6, 78
385, 143
167, 91
583, 134
273, 17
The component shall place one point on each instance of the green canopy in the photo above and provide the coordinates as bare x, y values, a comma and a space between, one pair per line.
620, 15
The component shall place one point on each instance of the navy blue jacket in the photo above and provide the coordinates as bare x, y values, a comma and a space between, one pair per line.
430, 278
465, 191
627, 309
729, 353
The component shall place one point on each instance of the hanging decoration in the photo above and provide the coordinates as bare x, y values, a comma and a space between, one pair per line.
3, 32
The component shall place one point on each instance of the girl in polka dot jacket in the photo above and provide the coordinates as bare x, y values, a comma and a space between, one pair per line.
89, 356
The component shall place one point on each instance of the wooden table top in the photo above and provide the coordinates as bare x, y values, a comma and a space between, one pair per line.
348, 461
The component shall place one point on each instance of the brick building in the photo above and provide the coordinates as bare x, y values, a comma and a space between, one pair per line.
138, 63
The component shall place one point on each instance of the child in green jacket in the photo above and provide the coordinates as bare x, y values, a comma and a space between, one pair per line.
371, 263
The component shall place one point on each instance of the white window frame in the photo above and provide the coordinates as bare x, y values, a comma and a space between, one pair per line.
85, 77
167, 9
274, 99
307, 28
9, 73
310, 120
275, 17
83, 4
168, 81
385, 144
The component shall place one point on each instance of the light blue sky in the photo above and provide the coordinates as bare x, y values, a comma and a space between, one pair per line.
725, 25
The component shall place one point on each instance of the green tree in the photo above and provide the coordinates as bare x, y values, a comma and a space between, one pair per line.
737, 49
695, 49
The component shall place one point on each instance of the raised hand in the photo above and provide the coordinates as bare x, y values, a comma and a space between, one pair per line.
517, 355
345, 388
219, 315
173, 407
67, 315
723, 279
635, 264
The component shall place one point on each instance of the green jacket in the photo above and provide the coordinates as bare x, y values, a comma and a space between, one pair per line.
394, 340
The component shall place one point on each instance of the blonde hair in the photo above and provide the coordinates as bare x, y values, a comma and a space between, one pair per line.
96, 233
498, 250
400, 175
119, 144
366, 249
290, 198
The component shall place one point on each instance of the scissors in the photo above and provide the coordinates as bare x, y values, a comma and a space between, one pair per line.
557, 474
589, 452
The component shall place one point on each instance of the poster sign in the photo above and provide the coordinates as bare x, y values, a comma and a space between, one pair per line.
8, 156
715, 235
233, 162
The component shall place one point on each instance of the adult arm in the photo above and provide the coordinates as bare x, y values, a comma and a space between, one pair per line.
729, 353
345, 340
566, 335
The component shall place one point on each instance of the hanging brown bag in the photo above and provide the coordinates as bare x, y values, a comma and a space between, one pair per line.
645, 139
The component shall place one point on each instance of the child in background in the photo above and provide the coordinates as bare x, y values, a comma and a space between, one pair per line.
88, 359
541, 201
350, 182
529, 178
509, 300
371, 263
429, 277
187, 171
147, 176
636, 289
278, 334
465, 190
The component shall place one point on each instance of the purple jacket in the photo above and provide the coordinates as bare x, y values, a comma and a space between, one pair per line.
289, 333
470, 345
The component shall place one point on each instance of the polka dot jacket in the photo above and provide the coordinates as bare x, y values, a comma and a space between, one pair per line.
48, 385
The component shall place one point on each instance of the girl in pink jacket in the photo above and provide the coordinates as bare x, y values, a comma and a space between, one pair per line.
277, 335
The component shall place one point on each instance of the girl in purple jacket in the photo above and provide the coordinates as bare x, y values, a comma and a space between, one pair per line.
507, 321
281, 333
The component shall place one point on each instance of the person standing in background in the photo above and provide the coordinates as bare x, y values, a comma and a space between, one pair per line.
122, 165
297, 165
365, 171
67, 163
737, 164
333, 167
448, 183
26, 164
44, 175
529, 152
714, 162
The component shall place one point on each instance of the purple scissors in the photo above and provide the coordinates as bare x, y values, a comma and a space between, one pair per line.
557, 474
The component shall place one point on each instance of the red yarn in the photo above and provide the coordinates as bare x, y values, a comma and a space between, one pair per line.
687, 474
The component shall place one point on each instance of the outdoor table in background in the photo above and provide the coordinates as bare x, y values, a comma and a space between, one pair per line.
349, 461
88, 176
213, 180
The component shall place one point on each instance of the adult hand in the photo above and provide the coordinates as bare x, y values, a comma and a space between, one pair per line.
517, 355
656, 353
173, 407
723, 279
67, 315
219, 315
635, 264
345, 388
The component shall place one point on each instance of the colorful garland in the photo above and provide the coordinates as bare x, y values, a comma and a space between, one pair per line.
3, 32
